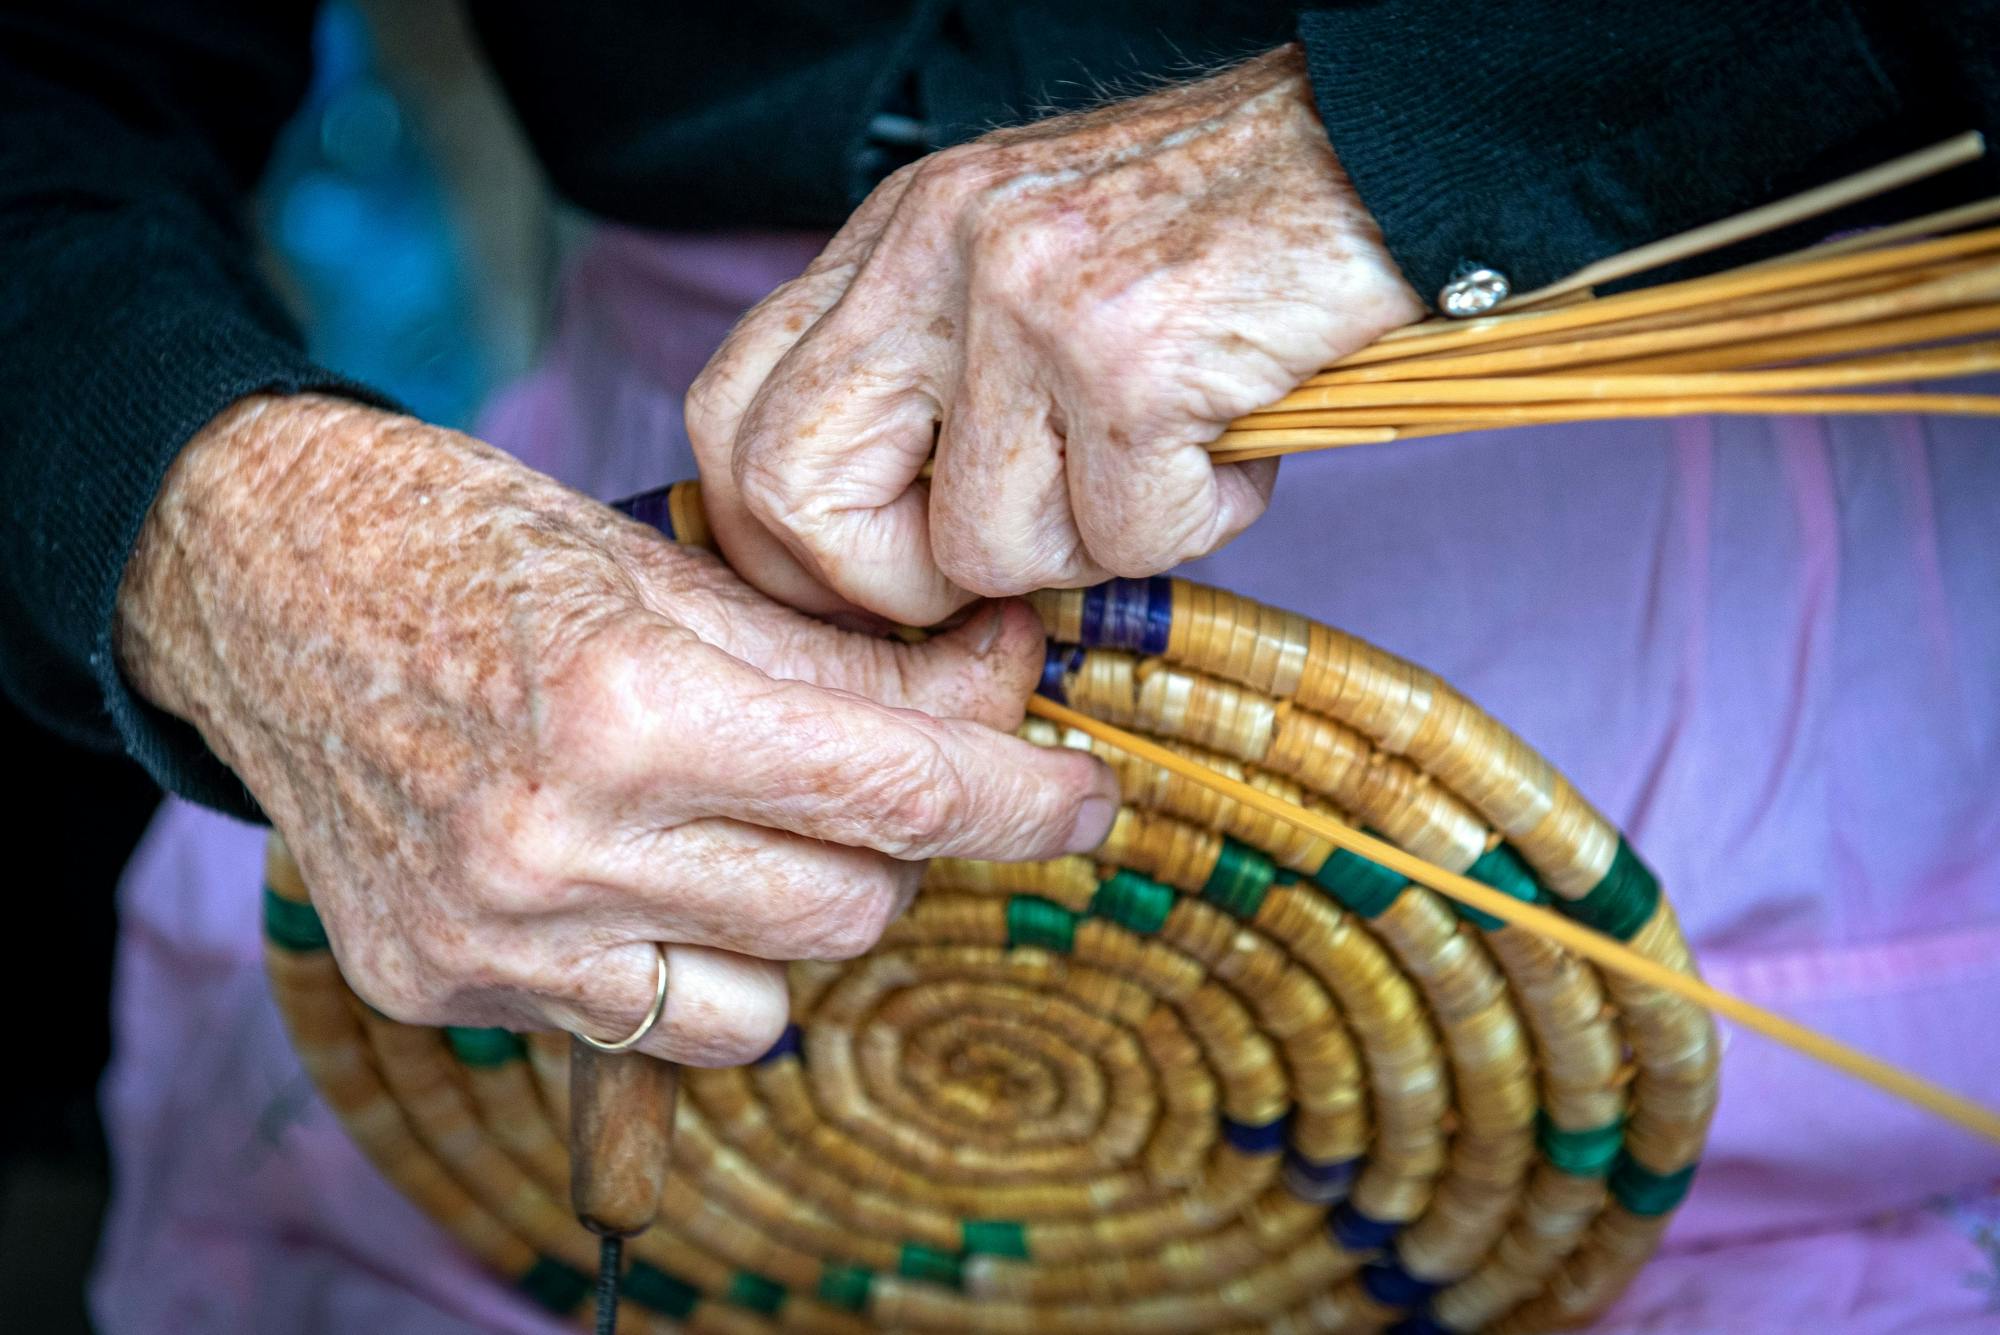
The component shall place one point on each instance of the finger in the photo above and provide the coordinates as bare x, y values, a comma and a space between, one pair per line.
713, 413
983, 669
827, 459
727, 386
721, 1010
1000, 507
753, 891
832, 765
1146, 505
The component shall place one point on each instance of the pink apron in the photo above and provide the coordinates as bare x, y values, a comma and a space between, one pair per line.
1770, 650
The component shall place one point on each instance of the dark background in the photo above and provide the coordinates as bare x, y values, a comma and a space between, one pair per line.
406, 224
76, 816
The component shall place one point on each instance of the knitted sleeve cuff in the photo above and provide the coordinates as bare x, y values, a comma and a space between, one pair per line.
123, 389
1537, 136
240, 361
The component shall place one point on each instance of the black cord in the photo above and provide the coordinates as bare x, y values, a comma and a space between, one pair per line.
609, 1255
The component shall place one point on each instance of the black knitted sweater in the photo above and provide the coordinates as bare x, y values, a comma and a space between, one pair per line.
1532, 135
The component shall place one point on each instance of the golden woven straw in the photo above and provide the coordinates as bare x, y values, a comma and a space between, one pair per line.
1218, 1078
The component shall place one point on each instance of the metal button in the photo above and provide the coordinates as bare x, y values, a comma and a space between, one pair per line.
1473, 290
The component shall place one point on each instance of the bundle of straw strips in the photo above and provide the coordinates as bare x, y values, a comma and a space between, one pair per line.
1839, 328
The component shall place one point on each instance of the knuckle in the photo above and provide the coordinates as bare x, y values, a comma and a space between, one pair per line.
1134, 375
401, 988
512, 856
754, 1029
998, 568
771, 482
734, 1034
1014, 259
762, 482
923, 801
715, 401
580, 700
1135, 559
704, 409
448, 962
628, 669
1061, 780
1180, 521
603, 671
1043, 809
848, 920
949, 177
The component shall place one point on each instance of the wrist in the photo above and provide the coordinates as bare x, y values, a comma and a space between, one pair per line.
195, 579
1374, 267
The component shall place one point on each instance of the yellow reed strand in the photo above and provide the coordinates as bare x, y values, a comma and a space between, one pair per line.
1470, 415
1239, 446
1576, 287
1882, 368
1764, 317
1845, 340
1236, 447
1892, 175
1594, 946
1528, 332
1952, 219
1441, 336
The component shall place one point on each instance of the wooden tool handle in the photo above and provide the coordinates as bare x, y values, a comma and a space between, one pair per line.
621, 1128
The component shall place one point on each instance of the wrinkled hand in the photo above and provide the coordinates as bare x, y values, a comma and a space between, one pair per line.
1069, 311
513, 738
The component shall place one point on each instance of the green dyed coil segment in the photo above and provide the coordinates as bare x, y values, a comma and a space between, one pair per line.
846, 1287
485, 1047
292, 925
1034, 921
921, 1262
1645, 1192
1136, 903
1361, 886
1502, 869
1586, 1153
1621, 903
554, 1285
751, 1290
669, 1295
996, 1237
1241, 879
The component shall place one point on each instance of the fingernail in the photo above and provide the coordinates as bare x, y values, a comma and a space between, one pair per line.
989, 633
1093, 823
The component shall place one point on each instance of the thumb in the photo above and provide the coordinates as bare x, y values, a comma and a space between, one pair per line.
982, 670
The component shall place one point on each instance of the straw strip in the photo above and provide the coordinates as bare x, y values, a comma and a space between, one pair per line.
1600, 950
1891, 175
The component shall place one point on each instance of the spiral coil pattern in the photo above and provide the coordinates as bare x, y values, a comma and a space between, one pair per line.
1220, 1077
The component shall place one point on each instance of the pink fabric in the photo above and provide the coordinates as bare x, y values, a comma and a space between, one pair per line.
1767, 649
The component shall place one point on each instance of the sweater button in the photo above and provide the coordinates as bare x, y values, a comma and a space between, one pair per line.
1473, 290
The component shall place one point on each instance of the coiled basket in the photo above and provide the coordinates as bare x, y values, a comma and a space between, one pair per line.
1220, 1077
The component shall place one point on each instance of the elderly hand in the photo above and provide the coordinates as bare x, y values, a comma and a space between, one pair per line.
1068, 312
513, 738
